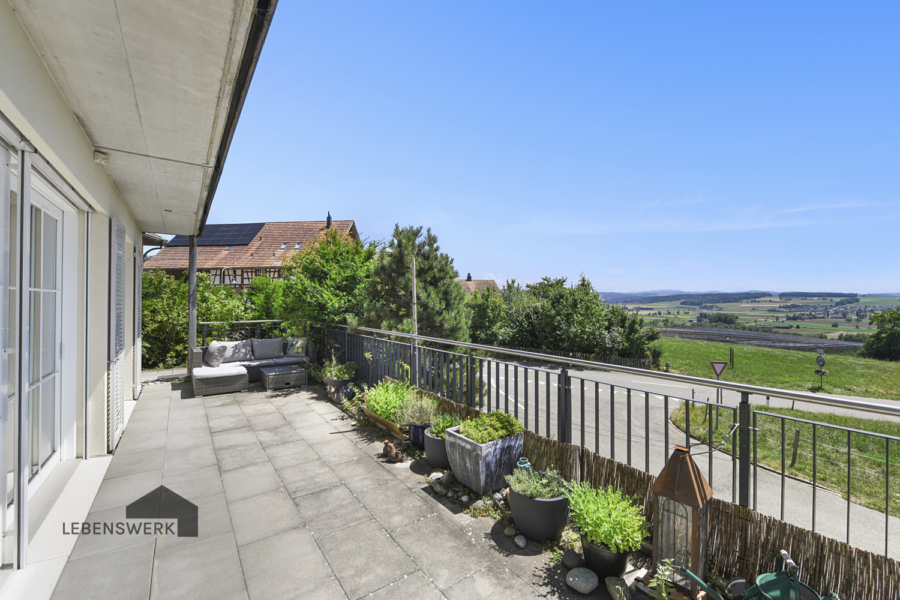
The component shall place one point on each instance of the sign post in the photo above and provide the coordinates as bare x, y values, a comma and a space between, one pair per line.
821, 372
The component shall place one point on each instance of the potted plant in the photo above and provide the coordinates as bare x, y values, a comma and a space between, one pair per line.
336, 375
611, 528
538, 503
416, 412
382, 403
482, 451
435, 445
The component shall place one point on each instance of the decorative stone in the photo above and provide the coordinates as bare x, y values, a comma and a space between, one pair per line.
572, 560
464, 499
479, 504
509, 531
435, 476
451, 494
448, 478
439, 489
498, 497
617, 588
582, 580
520, 541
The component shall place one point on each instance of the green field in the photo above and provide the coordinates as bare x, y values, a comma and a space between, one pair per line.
786, 369
867, 453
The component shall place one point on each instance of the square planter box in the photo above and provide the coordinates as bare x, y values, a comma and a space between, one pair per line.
482, 467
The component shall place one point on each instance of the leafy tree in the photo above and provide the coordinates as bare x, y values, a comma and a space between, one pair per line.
165, 315
884, 344
442, 310
488, 322
266, 297
325, 283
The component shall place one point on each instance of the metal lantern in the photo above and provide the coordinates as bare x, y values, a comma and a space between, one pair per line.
681, 518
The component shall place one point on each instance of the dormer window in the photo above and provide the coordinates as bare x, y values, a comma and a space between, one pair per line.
297, 247
228, 249
283, 246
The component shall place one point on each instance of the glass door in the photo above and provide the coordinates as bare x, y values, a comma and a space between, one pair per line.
44, 300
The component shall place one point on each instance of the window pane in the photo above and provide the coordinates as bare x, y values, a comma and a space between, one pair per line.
34, 399
48, 419
49, 252
10, 449
36, 230
48, 333
34, 364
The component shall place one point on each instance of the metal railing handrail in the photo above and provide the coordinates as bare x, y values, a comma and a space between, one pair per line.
232, 322
871, 407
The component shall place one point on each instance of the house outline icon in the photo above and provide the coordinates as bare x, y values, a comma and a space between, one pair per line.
163, 503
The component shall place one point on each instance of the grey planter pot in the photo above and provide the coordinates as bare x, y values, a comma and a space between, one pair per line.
482, 467
539, 519
436, 451
603, 561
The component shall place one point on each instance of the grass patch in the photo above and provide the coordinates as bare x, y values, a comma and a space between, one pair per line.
867, 453
786, 369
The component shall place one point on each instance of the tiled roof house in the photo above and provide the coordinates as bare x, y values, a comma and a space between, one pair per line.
245, 250
476, 285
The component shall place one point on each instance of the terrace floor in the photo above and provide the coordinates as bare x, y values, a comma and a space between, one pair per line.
293, 502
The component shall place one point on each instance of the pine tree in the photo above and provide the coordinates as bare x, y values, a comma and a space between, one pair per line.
442, 310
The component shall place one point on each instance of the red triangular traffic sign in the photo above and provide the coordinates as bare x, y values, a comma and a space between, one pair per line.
718, 366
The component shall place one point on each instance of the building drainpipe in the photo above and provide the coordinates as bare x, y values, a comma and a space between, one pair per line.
192, 299
87, 334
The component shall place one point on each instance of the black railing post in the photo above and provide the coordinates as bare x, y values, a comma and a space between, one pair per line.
563, 415
414, 362
258, 331
744, 418
203, 328
470, 379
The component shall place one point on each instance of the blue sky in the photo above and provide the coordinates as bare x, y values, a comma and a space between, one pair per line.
694, 146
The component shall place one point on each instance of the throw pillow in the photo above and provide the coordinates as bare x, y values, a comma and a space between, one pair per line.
267, 349
296, 346
214, 354
237, 351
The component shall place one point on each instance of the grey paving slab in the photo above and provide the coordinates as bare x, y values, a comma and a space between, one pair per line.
225, 410
331, 509
190, 458
272, 420
119, 574
361, 474
306, 478
349, 549
233, 437
258, 409
189, 424
213, 519
280, 435
495, 582
87, 545
415, 586
195, 483
395, 506
259, 517
288, 565
152, 403
237, 457
208, 569
291, 453
250, 481
228, 421
125, 490
337, 450
182, 411
130, 463
441, 550
182, 440
134, 440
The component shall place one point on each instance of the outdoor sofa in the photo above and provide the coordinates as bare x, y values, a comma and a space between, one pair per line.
227, 367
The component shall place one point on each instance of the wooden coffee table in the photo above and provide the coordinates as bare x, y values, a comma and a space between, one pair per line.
276, 378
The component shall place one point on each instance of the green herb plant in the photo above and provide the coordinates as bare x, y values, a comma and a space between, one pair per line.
607, 517
335, 370
490, 427
660, 584
441, 423
534, 484
386, 398
417, 408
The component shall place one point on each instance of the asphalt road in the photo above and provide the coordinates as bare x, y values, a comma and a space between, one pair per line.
638, 437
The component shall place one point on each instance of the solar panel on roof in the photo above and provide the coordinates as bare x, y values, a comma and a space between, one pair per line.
226, 234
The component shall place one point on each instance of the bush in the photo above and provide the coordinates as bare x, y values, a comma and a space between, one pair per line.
534, 484
386, 398
607, 517
490, 427
417, 408
441, 423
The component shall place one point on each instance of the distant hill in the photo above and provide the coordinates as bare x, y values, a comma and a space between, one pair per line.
687, 298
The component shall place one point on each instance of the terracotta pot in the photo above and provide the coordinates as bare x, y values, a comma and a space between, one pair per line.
384, 423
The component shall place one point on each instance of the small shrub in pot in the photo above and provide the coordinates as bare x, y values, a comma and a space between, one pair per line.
417, 411
435, 445
611, 527
482, 451
538, 503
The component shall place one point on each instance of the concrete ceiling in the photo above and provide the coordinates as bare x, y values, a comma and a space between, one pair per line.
151, 82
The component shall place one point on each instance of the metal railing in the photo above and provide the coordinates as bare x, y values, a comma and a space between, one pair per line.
633, 425
239, 330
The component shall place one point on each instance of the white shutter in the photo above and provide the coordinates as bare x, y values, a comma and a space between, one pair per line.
116, 333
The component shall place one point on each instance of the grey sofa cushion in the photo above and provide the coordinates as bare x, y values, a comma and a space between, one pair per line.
214, 354
237, 351
255, 364
214, 372
291, 360
263, 349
